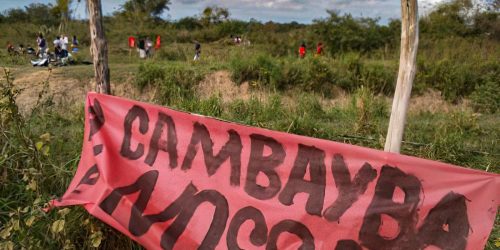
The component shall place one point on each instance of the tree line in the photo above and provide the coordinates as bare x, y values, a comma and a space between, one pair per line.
339, 32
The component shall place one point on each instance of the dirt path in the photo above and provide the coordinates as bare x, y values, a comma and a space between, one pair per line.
32, 83
66, 86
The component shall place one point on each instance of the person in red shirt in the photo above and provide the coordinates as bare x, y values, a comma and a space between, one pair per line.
319, 49
302, 50
10, 48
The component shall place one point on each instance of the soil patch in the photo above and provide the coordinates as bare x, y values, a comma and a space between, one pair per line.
220, 84
63, 90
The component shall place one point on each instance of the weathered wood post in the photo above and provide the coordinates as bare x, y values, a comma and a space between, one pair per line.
406, 74
99, 47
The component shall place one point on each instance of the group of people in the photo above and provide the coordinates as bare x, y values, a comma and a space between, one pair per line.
236, 39
11, 50
58, 53
60, 45
144, 46
302, 50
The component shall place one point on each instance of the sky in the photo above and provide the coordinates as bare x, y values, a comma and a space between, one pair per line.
302, 11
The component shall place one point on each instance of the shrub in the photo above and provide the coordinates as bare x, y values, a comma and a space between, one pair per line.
178, 84
243, 70
320, 76
486, 98
455, 79
379, 78
148, 73
349, 71
293, 74
262, 68
269, 71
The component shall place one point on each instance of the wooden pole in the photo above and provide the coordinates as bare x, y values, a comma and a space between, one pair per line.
406, 74
99, 47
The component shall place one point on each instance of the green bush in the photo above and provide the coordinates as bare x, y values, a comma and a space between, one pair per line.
148, 73
320, 76
354, 72
379, 78
178, 84
455, 79
243, 69
486, 98
261, 68
293, 74
348, 70
269, 71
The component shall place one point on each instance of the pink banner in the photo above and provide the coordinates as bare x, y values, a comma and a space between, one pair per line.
173, 180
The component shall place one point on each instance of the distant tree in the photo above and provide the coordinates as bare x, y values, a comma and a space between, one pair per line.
232, 27
487, 23
41, 14
347, 33
16, 15
447, 19
188, 23
36, 13
62, 11
463, 18
214, 15
490, 5
145, 8
141, 12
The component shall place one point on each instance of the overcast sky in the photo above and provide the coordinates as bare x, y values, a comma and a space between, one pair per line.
303, 11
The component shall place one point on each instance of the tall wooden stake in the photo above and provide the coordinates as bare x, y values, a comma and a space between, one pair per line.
406, 74
99, 47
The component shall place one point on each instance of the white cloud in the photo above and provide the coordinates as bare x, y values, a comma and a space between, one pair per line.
276, 10
257, 4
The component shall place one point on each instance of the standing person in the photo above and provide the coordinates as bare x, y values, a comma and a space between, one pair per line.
158, 42
197, 51
40, 41
57, 47
319, 49
21, 49
64, 46
142, 48
74, 44
149, 47
10, 48
302, 51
